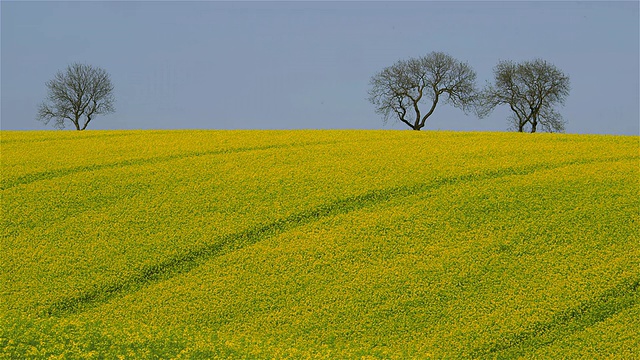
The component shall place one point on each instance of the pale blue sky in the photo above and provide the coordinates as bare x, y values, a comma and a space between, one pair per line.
291, 65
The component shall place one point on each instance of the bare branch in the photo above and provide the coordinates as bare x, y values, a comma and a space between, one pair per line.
531, 89
399, 90
77, 95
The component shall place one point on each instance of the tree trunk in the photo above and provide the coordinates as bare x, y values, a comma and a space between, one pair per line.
534, 119
433, 107
76, 122
86, 123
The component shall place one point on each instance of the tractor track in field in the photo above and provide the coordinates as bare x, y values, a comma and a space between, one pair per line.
572, 320
191, 259
52, 174
52, 139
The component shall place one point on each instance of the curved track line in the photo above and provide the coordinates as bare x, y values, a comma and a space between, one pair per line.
573, 320
51, 174
24, 141
191, 259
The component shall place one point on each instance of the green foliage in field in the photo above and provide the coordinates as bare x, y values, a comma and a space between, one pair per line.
321, 244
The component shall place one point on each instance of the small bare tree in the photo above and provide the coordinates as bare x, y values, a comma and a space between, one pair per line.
399, 90
531, 89
78, 94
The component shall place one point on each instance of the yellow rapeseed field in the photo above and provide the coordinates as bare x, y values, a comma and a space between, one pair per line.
319, 244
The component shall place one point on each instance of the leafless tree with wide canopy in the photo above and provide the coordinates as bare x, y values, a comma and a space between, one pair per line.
398, 91
78, 95
531, 89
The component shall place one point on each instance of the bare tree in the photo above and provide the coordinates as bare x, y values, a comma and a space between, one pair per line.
531, 89
399, 90
78, 94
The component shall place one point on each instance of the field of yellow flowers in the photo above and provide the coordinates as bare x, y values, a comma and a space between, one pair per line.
319, 244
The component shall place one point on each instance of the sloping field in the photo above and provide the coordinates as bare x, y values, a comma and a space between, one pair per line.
319, 244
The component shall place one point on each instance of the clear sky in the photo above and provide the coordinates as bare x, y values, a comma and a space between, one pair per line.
292, 65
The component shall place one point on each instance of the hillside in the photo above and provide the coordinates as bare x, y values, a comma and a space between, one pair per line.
330, 244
